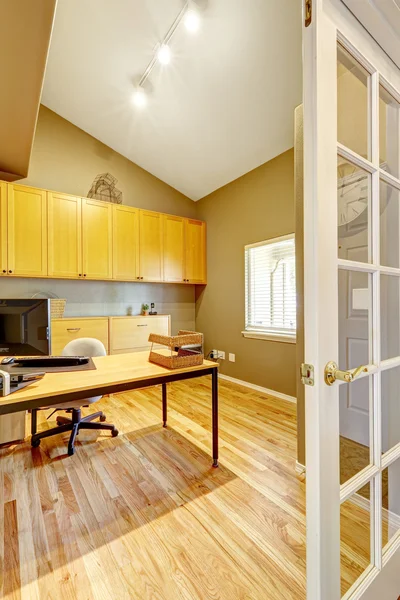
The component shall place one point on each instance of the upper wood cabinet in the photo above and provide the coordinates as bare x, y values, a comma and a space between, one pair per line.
27, 231
3, 228
65, 235
125, 243
47, 234
173, 246
195, 251
150, 246
96, 239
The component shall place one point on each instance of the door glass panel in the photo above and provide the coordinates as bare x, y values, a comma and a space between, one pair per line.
354, 351
355, 402
353, 197
390, 502
389, 142
389, 225
352, 105
355, 537
354, 315
390, 316
390, 409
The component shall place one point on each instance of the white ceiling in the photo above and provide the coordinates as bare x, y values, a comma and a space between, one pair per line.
221, 108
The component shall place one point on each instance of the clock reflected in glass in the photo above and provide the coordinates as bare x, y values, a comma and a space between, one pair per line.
353, 193
353, 200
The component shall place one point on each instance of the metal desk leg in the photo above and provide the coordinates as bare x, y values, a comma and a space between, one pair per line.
215, 416
164, 403
34, 420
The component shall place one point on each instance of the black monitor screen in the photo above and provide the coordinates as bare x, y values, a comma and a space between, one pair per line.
24, 327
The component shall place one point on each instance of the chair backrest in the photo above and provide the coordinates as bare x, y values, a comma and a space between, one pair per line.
84, 347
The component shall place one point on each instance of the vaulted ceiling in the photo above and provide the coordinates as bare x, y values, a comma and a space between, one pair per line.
223, 106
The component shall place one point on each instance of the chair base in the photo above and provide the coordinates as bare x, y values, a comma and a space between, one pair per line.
73, 425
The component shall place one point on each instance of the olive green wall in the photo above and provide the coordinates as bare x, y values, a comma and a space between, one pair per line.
255, 207
66, 159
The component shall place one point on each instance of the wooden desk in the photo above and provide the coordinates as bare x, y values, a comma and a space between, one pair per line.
118, 373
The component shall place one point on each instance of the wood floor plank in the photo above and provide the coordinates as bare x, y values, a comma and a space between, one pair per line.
144, 516
12, 578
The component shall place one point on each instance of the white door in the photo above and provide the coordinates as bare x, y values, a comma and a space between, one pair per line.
352, 306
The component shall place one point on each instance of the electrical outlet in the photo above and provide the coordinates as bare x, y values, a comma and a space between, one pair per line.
215, 354
221, 354
232, 357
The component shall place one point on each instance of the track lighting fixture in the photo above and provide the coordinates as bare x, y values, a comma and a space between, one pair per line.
191, 19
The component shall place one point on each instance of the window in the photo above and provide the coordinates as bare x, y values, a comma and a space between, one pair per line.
270, 272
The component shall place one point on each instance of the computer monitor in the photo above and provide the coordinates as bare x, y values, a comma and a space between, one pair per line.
25, 327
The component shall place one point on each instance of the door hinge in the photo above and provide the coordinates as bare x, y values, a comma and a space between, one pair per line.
307, 12
307, 374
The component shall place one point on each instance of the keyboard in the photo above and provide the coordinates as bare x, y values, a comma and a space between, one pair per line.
51, 361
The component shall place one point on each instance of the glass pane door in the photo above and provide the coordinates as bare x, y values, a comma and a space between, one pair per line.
368, 216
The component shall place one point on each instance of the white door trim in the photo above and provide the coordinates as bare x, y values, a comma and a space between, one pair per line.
382, 20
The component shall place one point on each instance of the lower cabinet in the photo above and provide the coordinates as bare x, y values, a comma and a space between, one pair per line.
131, 334
66, 330
118, 334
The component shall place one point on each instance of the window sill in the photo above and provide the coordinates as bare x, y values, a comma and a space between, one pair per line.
271, 337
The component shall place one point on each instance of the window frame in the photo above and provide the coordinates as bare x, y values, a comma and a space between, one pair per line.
252, 332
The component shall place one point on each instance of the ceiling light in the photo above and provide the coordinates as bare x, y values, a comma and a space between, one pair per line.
139, 98
164, 54
191, 20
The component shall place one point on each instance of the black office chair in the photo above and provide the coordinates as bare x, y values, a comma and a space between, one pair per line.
80, 347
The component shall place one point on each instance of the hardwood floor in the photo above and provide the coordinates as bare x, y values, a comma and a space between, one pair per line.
144, 516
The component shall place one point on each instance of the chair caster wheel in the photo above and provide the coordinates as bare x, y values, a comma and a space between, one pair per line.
35, 443
114, 432
103, 418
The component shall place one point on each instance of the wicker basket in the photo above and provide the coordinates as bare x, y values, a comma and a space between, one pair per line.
57, 307
178, 351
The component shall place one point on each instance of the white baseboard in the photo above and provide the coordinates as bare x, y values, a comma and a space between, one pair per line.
258, 388
299, 468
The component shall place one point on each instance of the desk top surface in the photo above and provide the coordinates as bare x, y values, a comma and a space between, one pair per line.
115, 369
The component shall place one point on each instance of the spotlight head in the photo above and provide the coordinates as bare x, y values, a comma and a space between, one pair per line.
192, 20
139, 98
164, 54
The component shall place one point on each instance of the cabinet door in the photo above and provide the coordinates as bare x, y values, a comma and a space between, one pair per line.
173, 248
195, 246
125, 243
130, 334
65, 235
64, 331
3, 228
96, 239
150, 246
27, 231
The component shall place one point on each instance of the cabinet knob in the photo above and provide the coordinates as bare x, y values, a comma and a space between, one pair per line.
4, 270
80, 274
84, 274
10, 271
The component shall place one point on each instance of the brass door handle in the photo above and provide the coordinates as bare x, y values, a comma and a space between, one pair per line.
332, 373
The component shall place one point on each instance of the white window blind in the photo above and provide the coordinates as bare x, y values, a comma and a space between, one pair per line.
271, 287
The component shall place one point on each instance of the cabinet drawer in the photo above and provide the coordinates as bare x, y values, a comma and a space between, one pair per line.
129, 334
66, 330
